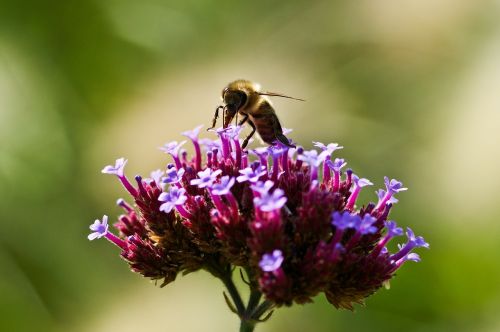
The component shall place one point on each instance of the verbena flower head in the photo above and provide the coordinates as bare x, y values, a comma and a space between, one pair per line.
290, 217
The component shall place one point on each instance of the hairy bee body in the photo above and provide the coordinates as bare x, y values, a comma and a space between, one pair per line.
246, 99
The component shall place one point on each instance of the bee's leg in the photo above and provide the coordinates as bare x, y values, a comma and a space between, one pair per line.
216, 115
245, 118
245, 142
283, 139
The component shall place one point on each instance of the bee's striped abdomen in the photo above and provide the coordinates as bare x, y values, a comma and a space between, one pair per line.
267, 124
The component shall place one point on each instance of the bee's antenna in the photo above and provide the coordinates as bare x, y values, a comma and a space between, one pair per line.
274, 94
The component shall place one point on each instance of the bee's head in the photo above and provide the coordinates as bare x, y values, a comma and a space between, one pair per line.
234, 99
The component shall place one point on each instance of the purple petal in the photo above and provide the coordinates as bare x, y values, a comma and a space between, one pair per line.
172, 148
271, 262
117, 169
193, 134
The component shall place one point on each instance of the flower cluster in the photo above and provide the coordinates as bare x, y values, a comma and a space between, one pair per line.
287, 216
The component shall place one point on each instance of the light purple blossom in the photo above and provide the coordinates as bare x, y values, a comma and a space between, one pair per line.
156, 176
270, 202
355, 190
262, 151
224, 187
172, 148
312, 157
98, 228
393, 186
209, 144
262, 187
381, 194
336, 165
117, 169
233, 131
413, 242
173, 175
271, 262
345, 220
176, 196
193, 134
206, 178
393, 229
412, 256
365, 226
250, 174
278, 150
361, 182
221, 131
330, 148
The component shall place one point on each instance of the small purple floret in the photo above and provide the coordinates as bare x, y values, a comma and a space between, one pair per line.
270, 202
176, 196
98, 228
345, 220
234, 131
173, 175
262, 187
393, 186
251, 175
393, 229
209, 144
271, 262
156, 176
206, 178
413, 242
365, 225
193, 134
172, 148
117, 169
381, 193
361, 182
412, 256
224, 187
330, 148
336, 165
312, 157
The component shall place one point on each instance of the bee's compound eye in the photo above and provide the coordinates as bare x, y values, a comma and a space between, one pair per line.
235, 98
224, 92
243, 98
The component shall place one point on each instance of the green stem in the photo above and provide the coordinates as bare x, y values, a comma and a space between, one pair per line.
261, 309
235, 295
247, 325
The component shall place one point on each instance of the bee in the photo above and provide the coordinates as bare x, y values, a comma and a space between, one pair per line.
245, 98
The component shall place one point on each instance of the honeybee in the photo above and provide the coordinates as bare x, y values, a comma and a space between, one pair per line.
245, 98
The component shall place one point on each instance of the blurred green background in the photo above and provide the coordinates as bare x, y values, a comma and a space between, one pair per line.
410, 88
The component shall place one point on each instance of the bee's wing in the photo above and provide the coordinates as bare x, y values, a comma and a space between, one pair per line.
274, 94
